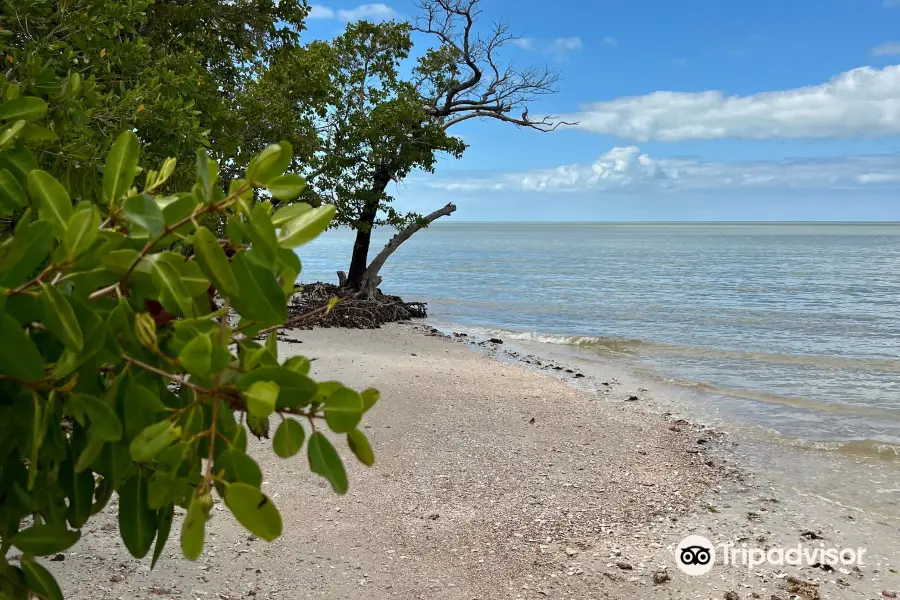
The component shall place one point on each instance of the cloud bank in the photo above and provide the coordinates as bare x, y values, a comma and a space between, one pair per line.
626, 168
863, 102
369, 12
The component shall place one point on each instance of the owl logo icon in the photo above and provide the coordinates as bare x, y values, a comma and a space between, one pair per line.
695, 555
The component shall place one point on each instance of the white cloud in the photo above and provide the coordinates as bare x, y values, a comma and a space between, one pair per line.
863, 102
369, 12
625, 168
886, 49
610, 40
525, 43
317, 11
563, 44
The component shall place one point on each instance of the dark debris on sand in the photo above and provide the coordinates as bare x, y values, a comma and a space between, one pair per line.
349, 312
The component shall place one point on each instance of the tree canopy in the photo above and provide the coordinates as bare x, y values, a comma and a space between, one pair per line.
171, 71
385, 115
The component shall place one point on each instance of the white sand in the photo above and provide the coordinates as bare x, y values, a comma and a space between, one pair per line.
469, 499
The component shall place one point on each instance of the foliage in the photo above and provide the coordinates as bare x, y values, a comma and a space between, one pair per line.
378, 120
375, 130
169, 70
120, 369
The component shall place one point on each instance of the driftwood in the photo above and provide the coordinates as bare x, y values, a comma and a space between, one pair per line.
351, 312
371, 279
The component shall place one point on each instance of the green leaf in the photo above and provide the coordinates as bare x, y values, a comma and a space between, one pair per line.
152, 440
271, 163
196, 356
287, 187
369, 398
262, 233
193, 531
60, 319
121, 166
52, 200
237, 467
104, 422
137, 522
172, 293
37, 135
177, 208
207, 174
193, 279
213, 262
288, 438
103, 493
80, 492
144, 408
235, 230
43, 540
359, 445
40, 580
324, 461
298, 364
261, 298
343, 410
91, 452
11, 132
261, 397
82, 230
254, 510
258, 426
306, 227
12, 196
164, 518
19, 162
144, 212
289, 213
24, 107
19, 357
29, 248
38, 429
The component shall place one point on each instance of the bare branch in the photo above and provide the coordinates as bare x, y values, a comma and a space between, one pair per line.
480, 85
546, 124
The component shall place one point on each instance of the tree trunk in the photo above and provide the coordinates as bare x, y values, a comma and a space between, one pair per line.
365, 225
370, 279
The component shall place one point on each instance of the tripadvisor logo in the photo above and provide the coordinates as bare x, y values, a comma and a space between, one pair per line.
696, 555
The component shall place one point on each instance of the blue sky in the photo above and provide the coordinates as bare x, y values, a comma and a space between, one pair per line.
691, 110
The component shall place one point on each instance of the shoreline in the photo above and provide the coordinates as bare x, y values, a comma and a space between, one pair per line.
490, 481
587, 371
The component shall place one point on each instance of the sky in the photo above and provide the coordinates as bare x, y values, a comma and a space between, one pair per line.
686, 110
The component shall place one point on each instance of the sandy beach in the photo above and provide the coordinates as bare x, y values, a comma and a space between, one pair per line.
493, 480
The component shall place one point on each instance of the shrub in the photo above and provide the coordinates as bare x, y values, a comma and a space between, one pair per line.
121, 369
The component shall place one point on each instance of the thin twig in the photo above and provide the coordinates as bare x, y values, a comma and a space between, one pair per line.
176, 378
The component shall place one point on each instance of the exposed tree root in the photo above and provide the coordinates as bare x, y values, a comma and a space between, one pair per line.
350, 312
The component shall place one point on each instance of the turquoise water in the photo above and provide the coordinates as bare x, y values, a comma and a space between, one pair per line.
790, 327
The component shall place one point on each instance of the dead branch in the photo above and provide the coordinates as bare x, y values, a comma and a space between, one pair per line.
370, 277
482, 87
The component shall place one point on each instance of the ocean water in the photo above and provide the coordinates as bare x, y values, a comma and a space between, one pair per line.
791, 329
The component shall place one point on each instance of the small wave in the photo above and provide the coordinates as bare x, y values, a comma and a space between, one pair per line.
531, 336
856, 448
603, 345
792, 401
626, 346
